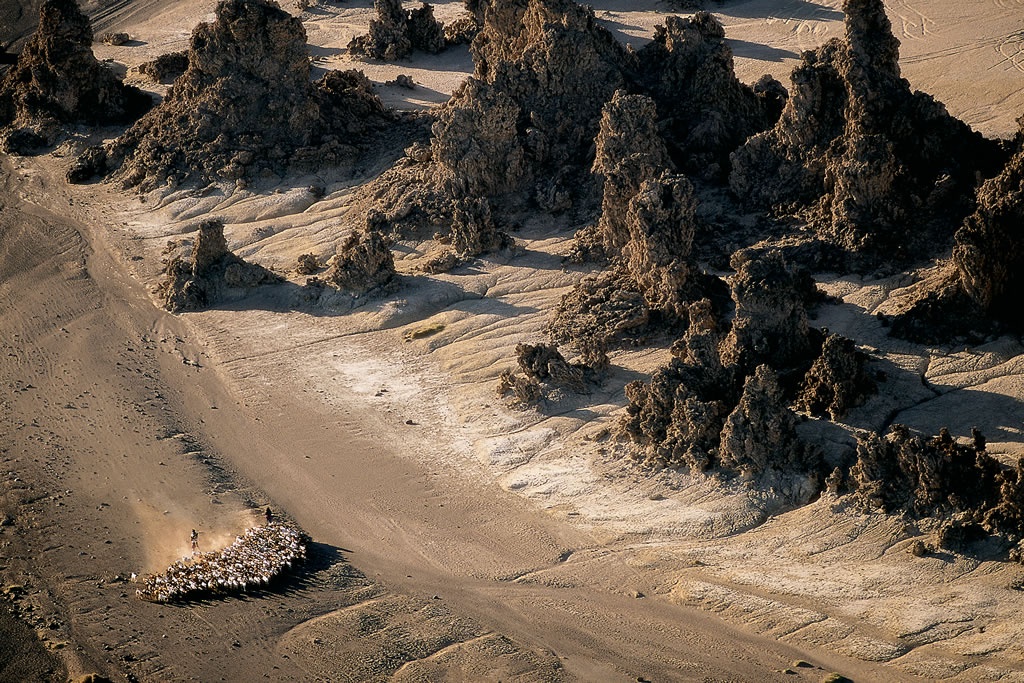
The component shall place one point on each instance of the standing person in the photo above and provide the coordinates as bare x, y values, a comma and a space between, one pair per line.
269, 515
195, 541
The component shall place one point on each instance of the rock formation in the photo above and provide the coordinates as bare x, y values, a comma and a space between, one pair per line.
246, 106
307, 264
202, 280
873, 164
395, 33
688, 70
388, 38
57, 81
989, 252
543, 71
473, 229
165, 68
661, 221
629, 151
770, 325
938, 477
604, 308
544, 368
544, 363
426, 33
759, 435
693, 412
363, 263
525, 391
653, 272
836, 381
677, 418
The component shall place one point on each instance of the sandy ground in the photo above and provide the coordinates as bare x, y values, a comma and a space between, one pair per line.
455, 538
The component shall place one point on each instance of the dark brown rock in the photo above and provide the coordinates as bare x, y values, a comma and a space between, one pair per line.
707, 112
363, 263
661, 221
246, 105
462, 31
200, 280
770, 325
307, 264
878, 168
165, 68
57, 80
117, 39
473, 229
603, 307
677, 418
836, 381
989, 252
388, 38
903, 471
629, 151
543, 71
759, 434
395, 33
426, 33
526, 391
544, 363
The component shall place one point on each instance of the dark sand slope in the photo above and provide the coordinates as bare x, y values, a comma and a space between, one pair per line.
113, 448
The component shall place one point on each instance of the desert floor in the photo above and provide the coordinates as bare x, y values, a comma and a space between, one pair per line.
453, 536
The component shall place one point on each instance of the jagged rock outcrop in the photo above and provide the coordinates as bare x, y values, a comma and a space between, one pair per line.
875, 166
461, 31
652, 274
938, 477
707, 112
395, 33
363, 263
388, 38
759, 435
989, 252
661, 221
525, 391
836, 381
545, 369
203, 279
474, 231
605, 307
245, 106
57, 80
307, 264
545, 363
426, 33
165, 68
543, 71
677, 418
630, 151
770, 325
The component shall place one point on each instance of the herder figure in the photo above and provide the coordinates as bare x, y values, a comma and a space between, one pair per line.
269, 515
195, 541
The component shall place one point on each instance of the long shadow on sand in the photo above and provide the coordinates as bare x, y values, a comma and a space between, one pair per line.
765, 53
801, 10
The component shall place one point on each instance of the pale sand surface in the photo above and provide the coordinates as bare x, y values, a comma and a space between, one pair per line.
530, 529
